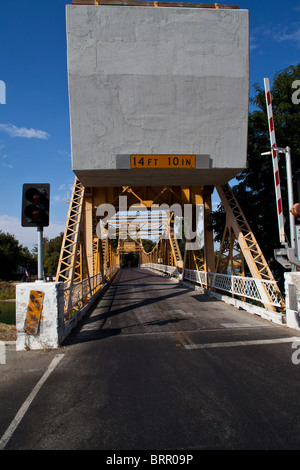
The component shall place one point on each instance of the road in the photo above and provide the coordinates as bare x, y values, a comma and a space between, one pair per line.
156, 365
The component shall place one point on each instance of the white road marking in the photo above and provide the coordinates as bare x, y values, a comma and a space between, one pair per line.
19, 416
241, 343
236, 325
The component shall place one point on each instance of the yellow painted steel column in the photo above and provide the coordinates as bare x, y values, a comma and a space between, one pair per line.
88, 234
210, 265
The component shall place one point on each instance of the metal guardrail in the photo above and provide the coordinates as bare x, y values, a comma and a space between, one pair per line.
83, 291
163, 268
260, 290
110, 271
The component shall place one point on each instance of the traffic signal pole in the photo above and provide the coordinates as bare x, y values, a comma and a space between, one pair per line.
40, 253
35, 213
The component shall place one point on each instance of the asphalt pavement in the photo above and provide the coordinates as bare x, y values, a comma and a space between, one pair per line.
156, 366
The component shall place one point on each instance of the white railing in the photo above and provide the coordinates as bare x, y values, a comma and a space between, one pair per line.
163, 268
263, 291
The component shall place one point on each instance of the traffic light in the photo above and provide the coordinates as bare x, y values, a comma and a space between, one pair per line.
35, 205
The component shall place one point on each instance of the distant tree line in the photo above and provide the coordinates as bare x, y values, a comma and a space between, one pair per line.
16, 260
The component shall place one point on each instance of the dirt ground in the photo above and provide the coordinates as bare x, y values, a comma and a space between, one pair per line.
8, 332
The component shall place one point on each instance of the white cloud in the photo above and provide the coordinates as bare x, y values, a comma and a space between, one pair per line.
27, 236
276, 33
14, 131
64, 153
289, 36
6, 165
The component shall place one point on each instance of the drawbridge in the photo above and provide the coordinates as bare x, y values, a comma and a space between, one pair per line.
159, 112
158, 96
92, 247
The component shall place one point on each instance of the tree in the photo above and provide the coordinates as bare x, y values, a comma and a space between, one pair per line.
51, 252
148, 245
255, 190
13, 256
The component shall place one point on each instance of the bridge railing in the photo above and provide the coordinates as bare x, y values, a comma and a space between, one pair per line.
111, 270
263, 291
163, 268
79, 293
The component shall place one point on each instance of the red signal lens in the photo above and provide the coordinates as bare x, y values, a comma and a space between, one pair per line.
35, 198
35, 214
33, 195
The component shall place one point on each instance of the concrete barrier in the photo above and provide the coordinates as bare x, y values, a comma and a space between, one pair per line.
51, 324
51, 327
292, 297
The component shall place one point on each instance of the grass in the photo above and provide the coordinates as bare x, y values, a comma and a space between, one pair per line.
7, 290
8, 332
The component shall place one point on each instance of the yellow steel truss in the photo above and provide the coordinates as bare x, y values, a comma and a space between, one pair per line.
239, 243
83, 255
66, 271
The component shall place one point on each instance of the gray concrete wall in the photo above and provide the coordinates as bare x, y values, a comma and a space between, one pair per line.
292, 299
146, 80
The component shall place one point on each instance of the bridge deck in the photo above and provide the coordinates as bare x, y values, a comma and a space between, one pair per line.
147, 369
144, 303
164, 380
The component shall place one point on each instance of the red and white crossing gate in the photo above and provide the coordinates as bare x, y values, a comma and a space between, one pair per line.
275, 162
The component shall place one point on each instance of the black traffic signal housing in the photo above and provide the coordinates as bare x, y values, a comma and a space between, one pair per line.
35, 205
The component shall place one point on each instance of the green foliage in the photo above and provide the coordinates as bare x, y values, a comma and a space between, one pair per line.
12, 256
51, 254
148, 245
255, 190
15, 258
129, 260
7, 290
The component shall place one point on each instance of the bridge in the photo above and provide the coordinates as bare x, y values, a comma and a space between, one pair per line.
158, 115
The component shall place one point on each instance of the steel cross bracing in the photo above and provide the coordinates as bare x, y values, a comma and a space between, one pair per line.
237, 230
86, 261
71, 255
67, 260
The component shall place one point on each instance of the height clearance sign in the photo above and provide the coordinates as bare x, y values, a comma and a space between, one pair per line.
163, 161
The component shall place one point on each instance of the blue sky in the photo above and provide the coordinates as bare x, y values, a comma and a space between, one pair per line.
34, 122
